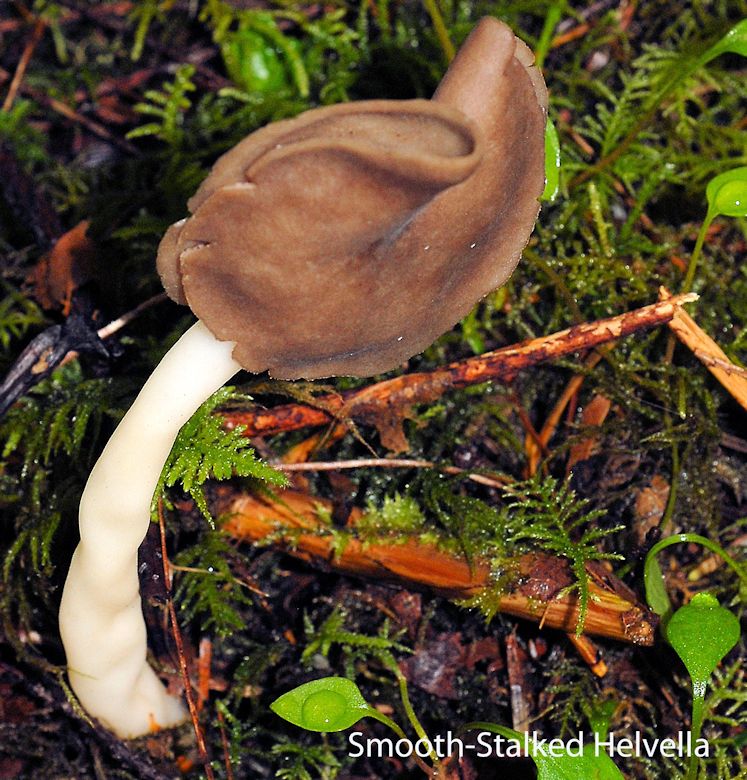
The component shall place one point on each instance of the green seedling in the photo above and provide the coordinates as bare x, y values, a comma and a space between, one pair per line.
656, 593
734, 42
253, 63
259, 57
701, 633
589, 764
552, 162
600, 715
329, 704
727, 196
336, 703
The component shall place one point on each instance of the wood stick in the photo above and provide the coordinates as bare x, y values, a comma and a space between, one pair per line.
495, 480
732, 377
403, 392
292, 521
590, 653
23, 62
521, 705
183, 667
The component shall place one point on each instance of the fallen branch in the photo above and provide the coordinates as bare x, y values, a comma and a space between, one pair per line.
539, 591
402, 393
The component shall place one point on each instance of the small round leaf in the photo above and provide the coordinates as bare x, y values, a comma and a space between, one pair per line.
702, 633
727, 193
329, 704
253, 63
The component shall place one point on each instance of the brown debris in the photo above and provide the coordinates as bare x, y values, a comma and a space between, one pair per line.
545, 579
594, 414
67, 266
408, 609
650, 505
36, 35
519, 689
433, 666
29, 204
64, 110
435, 663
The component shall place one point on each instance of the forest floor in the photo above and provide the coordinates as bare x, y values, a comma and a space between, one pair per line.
466, 539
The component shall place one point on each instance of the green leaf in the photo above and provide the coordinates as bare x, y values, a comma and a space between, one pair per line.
601, 716
727, 194
552, 162
735, 41
590, 765
253, 63
702, 633
329, 704
656, 592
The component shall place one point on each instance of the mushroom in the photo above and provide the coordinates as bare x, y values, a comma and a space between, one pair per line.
340, 242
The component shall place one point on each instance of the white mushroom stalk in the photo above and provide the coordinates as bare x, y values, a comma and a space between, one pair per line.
101, 618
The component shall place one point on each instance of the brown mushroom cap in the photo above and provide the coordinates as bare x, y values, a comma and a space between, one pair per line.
349, 238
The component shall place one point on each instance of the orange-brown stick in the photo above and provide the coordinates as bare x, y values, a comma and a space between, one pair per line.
732, 377
293, 522
367, 404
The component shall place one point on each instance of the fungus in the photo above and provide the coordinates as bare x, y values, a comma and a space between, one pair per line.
340, 242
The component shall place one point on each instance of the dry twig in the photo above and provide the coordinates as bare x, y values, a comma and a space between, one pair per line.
397, 396
23, 62
191, 704
391, 463
590, 653
732, 377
